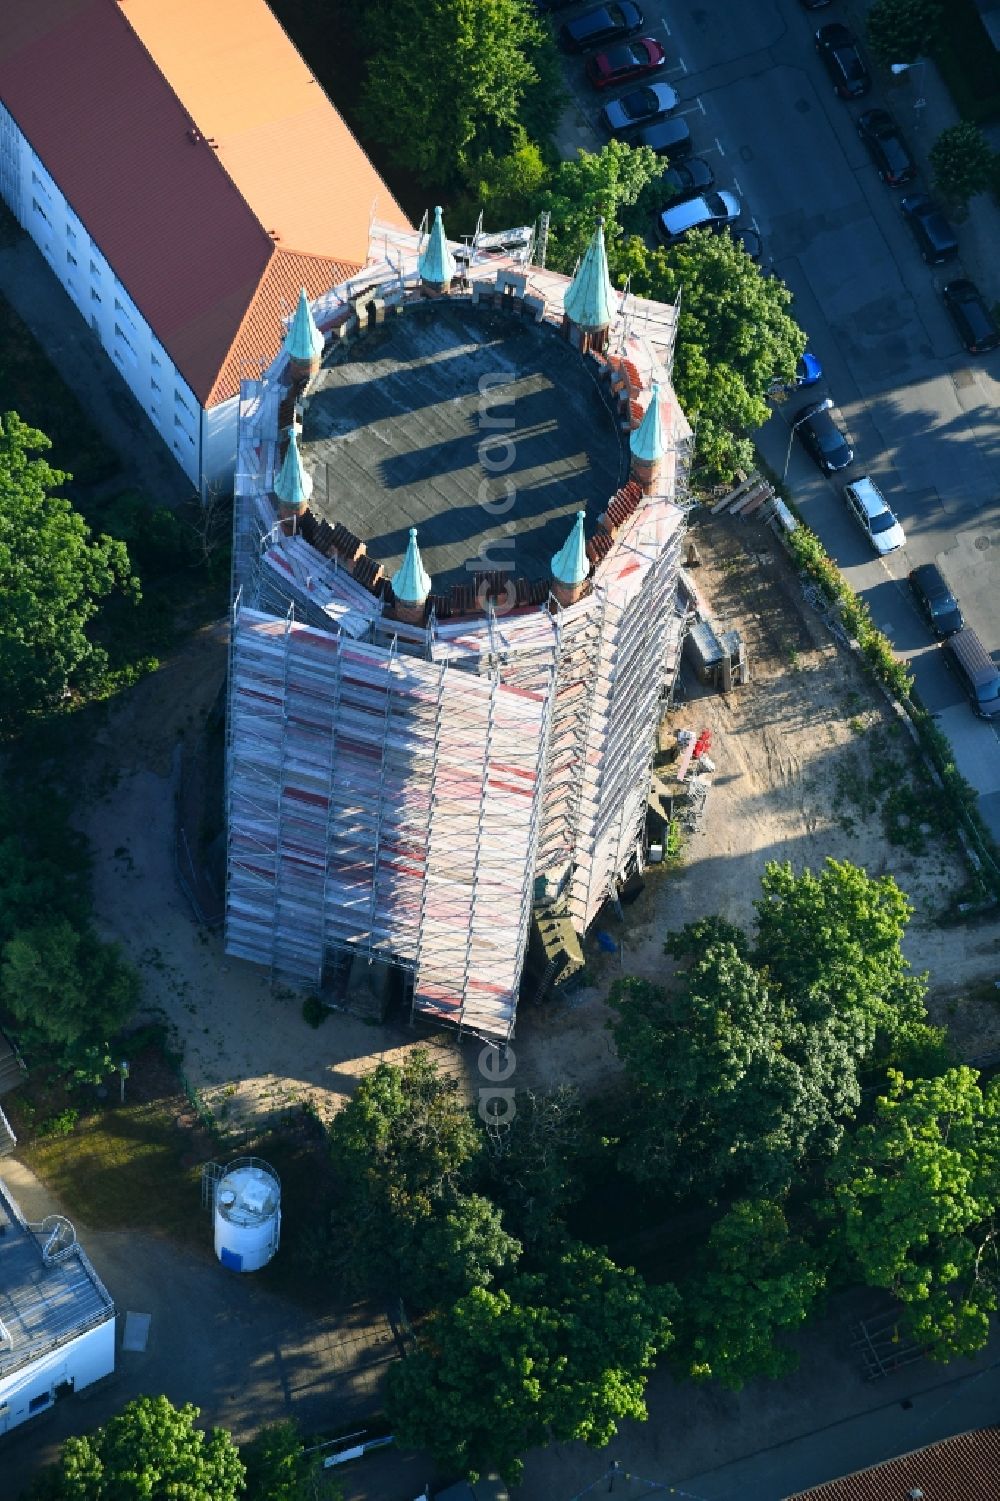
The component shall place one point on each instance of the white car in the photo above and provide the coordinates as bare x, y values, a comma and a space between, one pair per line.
708, 211
868, 507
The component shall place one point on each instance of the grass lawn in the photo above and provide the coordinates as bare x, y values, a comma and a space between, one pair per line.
138, 1166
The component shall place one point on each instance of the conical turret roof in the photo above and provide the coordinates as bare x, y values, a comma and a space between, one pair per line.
646, 442
293, 486
303, 340
571, 565
589, 298
437, 264
411, 583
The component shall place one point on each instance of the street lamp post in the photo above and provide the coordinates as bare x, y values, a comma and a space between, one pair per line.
791, 435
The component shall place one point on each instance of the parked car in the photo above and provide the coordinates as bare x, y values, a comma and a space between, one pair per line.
709, 211
686, 178
975, 323
976, 671
623, 64
642, 107
822, 438
842, 60
867, 505
935, 600
886, 147
806, 4
934, 235
808, 370
670, 138
554, 4
749, 238
601, 24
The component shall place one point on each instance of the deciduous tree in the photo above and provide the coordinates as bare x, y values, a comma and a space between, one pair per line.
447, 79
53, 575
915, 1198
900, 31
593, 185
151, 1448
963, 163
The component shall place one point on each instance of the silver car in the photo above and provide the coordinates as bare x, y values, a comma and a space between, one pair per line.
708, 211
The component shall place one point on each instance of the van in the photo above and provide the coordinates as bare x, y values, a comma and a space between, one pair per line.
670, 138
976, 670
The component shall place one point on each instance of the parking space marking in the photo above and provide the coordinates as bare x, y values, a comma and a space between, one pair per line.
679, 67
736, 185
697, 105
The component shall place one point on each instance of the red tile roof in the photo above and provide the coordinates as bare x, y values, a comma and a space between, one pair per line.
965, 1468
120, 100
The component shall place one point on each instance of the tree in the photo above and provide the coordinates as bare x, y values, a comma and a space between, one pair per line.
278, 1469
537, 1173
403, 1152
446, 79
832, 944
562, 1354
900, 31
731, 1087
594, 185
151, 1448
735, 338
963, 163
52, 577
915, 1197
761, 1282
508, 188
69, 992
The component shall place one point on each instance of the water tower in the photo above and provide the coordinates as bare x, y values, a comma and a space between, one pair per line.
247, 1212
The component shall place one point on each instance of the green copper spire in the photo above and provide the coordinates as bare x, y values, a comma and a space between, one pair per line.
646, 441
411, 582
589, 298
437, 264
293, 486
570, 565
303, 341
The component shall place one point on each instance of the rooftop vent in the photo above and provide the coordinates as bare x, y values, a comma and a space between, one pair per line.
194, 135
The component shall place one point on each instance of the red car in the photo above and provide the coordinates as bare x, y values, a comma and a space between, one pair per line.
622, 64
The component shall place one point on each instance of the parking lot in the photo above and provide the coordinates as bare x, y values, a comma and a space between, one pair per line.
921, 413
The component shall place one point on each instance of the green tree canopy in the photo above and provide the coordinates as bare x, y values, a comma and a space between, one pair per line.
831, 943
68, 991
900, 31
278, 1469
963, 163
562, 1354
595, 184
447, 79
52, 578
915, 1198
731, 1086
151, 1448
735, 337
760, 1282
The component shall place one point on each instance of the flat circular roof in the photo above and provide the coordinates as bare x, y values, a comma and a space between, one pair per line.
483, 431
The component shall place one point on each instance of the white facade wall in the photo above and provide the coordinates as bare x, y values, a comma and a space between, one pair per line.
203, 442
31, 1390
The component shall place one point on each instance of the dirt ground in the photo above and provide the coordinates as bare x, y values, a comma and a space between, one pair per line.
806, 756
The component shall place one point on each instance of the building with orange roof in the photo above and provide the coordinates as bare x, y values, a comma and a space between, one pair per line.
184, 175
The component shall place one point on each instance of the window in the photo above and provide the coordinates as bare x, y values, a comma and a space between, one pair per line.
179, 399
154, 384
121, 334
71, 258
95, 269
154, 361
95, 295
71, 234
39, 210
37, 1403
126, 316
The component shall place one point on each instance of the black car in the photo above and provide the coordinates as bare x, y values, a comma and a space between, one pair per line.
750, 239
806, 4
641, 107
936, 601
970, 315
931, 230
670, 138
819, 434
604, 23
842, 60
886, 147
687, 178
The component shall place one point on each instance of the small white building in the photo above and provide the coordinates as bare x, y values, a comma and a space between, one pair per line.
184, 176
57, 1319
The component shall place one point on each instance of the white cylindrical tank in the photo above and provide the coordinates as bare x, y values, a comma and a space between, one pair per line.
247, 1215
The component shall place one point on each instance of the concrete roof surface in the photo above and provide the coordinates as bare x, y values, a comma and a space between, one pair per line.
486, 434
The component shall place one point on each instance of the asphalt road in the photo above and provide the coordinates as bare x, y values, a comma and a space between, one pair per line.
923, 415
